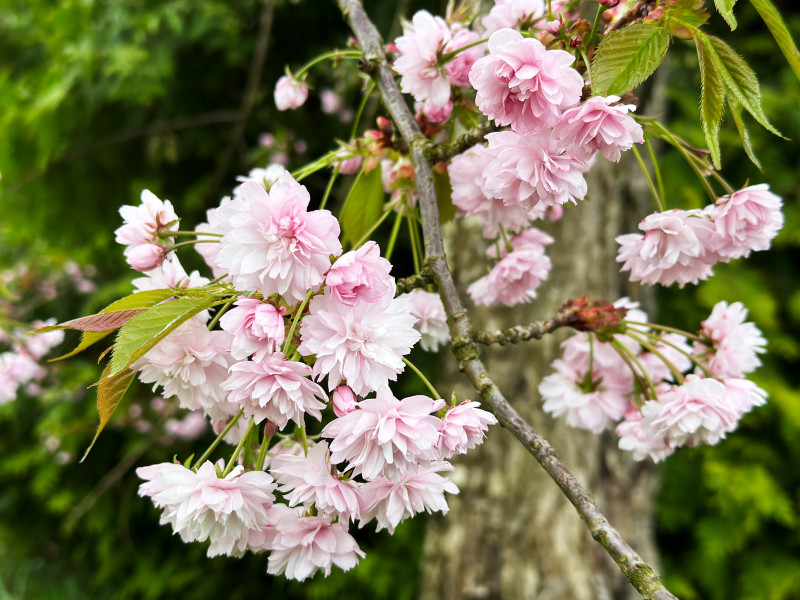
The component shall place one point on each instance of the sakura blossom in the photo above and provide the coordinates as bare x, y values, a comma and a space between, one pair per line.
308, 480
257, 327
528, 169
524, 85
696, 412
428, 309
599, 125
385, 436
744, 395
305, 545
191, 364
363, 344
512, 14
673, 347
16, 370
274, 388
637, 440
265, 177
588, 403
390, 501
420, 47
433, 113
190, 427
343, 401
676, 247
746, 220
169, 274
275, 244
359, 275
142, 229
290, 93
463, 427
202, 506
732, 344
459, 67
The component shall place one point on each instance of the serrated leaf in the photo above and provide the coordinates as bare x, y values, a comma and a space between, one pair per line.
138, 301
104, 321
110, 391
725, 9
747, 144
780, 32
363, 205
683, 16
149, 327
739, 79
712, 102
628, 56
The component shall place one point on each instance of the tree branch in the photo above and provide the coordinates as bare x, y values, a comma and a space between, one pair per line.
440, 152
567, 316
641, 575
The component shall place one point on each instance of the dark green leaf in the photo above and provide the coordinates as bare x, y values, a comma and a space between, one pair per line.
151, 326
110, 391
725, 8
736, 113
363, 205
712, 102
780, 32
627, 57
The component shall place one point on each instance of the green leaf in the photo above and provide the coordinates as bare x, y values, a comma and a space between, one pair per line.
725, 8
736, 113
684, 16
137, 302
151, 326
712, 102
110, 391
363, 205
628, 56
441, 183
739, 79
780, 32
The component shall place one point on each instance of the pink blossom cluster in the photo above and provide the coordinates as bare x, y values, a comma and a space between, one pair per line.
682, 246
145, 232
660, 391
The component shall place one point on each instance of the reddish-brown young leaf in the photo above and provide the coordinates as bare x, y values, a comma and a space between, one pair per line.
110, 391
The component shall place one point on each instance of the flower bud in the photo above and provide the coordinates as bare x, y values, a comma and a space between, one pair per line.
290, 93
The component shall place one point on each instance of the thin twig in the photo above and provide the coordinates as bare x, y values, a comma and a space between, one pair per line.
565, 317
641, 575
441, 152
412, 282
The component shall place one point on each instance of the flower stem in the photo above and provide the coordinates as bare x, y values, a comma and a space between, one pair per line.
238, 450
691, 336
220, 312
334, 55
216, 442
297, 316
424, 379
652, 349
631, 359
262, 453
329, 187
650, 184
361, 107
377, 224
656, 170
393, 236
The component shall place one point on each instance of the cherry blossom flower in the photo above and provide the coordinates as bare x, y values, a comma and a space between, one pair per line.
746, 220
592, 405
599, 125
390, 501
275, 244
528, 169
428, 309
677, 246
385, 435
290, 93
264, 177
634, 438
512, 13
732, 345
169, 274
304, 545
675, 348
343, 400
696, 412
191, 363
463, 427
201, 506
524, 85
433, 113
359, 275
418, 64
743, 395
274, 388
362, 344
16, 369
190, 427
143, 225
470, 198
257, 327
459, 67
307, 480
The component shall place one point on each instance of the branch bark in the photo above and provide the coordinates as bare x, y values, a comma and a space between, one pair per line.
640, 574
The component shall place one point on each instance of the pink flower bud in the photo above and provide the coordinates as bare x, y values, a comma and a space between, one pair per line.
144, 257
344, 401
290, 93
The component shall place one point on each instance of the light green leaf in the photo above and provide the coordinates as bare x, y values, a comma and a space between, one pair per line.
441, 182
110, 391
138, 301
736, 113
712, 102
628, 56
780, 32
739, 79
149, 327
725, 8
363, 205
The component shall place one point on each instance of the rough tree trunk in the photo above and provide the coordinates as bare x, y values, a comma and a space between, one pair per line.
510, 533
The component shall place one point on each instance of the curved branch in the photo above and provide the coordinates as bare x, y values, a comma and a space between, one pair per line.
641, 575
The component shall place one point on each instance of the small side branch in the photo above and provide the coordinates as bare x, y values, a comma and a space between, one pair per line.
413, 282
640, 574
566, 317
441, 152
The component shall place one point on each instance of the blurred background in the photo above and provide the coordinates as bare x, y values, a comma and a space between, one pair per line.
99, 100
